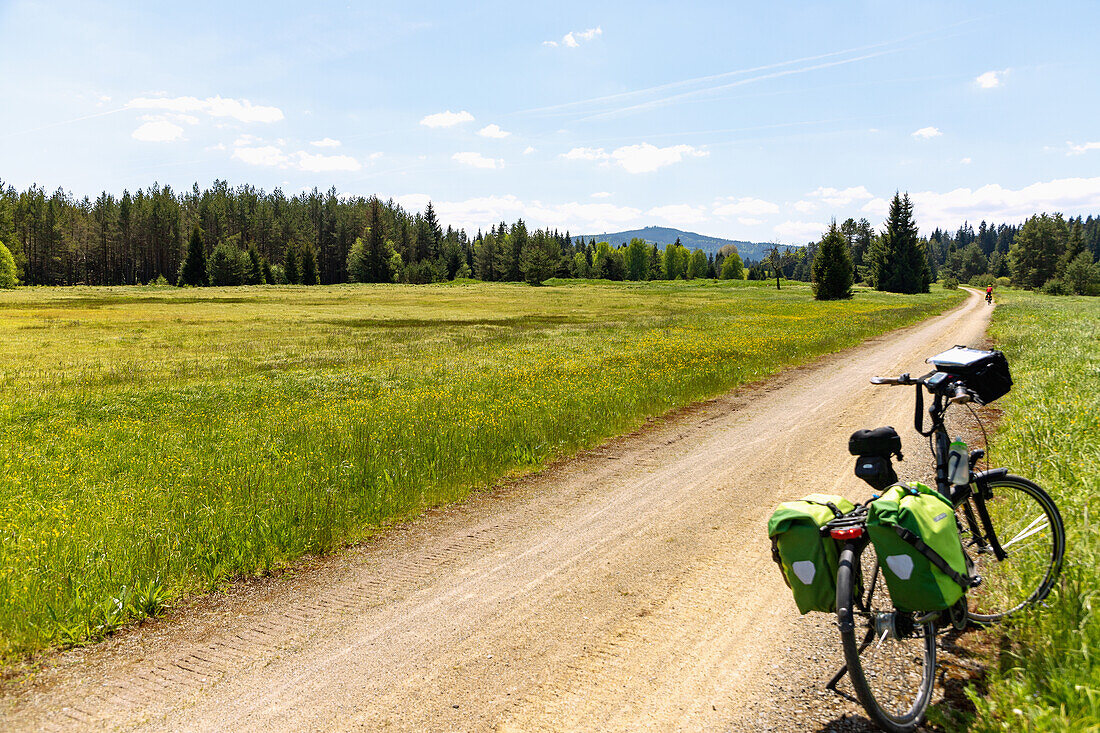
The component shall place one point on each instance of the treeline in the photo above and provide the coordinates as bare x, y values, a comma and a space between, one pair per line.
243, 235
1047, 252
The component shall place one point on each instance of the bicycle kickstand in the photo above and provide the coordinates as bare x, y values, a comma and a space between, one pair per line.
831, 685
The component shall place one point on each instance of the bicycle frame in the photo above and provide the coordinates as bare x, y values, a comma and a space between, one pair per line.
972, 497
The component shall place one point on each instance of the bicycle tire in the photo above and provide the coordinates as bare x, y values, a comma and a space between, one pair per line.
1029, 527
895, 679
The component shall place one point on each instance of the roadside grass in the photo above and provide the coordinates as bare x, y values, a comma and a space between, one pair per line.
1046, 675
158, 441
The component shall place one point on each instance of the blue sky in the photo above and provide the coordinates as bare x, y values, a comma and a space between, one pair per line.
750, 120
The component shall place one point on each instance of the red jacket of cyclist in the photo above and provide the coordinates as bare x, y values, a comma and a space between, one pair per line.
989, 290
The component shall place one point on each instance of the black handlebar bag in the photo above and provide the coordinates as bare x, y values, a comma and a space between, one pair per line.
985, 373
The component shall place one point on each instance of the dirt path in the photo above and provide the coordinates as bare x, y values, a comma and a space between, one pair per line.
629, 589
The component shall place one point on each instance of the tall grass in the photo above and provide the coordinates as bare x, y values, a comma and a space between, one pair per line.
157, 441
1048, 672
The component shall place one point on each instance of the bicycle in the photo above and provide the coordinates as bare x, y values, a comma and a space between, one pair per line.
891, 655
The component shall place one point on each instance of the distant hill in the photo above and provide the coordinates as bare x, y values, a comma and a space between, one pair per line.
667, 235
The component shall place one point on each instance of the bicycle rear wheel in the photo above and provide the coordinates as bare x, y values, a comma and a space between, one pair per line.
1030, 530
891, 659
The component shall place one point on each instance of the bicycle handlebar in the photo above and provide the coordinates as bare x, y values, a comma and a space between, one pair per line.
903, 379
962, 396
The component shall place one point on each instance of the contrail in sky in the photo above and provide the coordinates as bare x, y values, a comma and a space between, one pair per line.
737, 72
740, 82
63, 122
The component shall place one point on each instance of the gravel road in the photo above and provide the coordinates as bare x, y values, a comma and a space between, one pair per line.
630, 588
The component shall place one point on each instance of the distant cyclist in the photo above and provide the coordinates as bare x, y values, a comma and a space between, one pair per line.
989, 295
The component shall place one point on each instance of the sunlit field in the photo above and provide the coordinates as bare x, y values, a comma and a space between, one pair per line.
157, 441
1047, 676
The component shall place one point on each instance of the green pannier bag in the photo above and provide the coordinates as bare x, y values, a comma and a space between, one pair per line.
916, 538
808, 560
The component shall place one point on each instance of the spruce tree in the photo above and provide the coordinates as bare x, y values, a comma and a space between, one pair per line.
375, 254
193, 272
293, 275
255, 273
898, 261
540, 258
832, 267
265, 269
309, 266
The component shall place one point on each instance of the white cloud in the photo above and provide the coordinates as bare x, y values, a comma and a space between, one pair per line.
327, 163
493, 131
799, 232
749, 221
744, 206
586, 154
804, 207
375, 156
326, 142
158, 131
991, 79
447, 119
185, 119
966, 161
926, 133
601, 195
477, 160
1070, 196
643, 158
528, 150
841, 196
261, 155
576, 38
680, 214
876, 207
646, 158
241, 110
1082, 148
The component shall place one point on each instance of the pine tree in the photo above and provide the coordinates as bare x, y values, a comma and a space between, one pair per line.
1033, 257
832, 267
265, 268
293, 274
193, 272
899, 264
309, 266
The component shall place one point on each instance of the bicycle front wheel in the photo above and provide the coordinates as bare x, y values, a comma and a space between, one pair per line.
891, 659
1030, 531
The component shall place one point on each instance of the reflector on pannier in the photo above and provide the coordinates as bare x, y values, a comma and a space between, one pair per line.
917, 541
807, 560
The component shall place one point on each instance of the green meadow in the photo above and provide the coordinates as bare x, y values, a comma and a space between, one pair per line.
1046, 673
157, 441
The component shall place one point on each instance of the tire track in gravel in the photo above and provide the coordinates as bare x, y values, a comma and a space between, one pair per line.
628, 588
